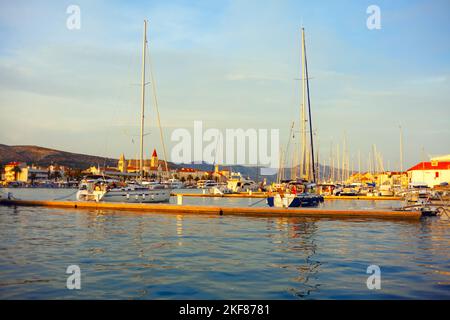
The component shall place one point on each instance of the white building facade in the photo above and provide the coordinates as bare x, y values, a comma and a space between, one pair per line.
431, 173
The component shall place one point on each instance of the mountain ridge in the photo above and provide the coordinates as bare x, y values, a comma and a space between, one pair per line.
43, 156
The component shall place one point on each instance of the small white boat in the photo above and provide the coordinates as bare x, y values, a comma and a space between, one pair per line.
206, 184
174, 183
386, 190
221, 189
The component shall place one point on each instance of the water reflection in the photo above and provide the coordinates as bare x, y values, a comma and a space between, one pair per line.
179, 219
134, 255
297, 235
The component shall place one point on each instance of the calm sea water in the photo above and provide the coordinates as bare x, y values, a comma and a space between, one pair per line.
165, 256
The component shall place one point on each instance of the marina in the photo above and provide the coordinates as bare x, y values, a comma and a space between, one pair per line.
175, 151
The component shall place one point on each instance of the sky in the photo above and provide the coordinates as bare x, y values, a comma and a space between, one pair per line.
230, 64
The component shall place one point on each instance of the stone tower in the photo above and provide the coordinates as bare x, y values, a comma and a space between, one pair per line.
122, 165
154, 160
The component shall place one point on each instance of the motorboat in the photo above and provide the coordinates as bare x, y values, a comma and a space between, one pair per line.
350, 190
237, 183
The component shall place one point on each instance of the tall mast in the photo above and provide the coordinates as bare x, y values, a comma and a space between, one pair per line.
344, 165
331, 162
141, 158
309, 109
287, 146
375, 161
359, 164
338, 164
317, 159
302, 125
401, 149
287, 149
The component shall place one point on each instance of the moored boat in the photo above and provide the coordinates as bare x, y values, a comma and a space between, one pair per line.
300, 193
114, 191
286, 196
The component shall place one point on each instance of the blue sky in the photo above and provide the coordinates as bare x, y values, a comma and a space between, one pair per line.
231, 64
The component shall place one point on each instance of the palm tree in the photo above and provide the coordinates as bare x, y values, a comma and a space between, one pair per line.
56, 175
16, 171
32, 177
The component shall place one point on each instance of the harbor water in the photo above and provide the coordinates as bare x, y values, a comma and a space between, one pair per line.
134, 255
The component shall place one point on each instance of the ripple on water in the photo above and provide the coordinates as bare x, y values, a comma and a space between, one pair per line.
159, 256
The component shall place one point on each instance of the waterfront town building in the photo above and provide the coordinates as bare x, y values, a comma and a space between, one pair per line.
388, 177
20, 172
432, 173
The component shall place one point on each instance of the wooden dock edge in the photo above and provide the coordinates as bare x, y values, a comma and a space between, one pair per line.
264, 195
235, 211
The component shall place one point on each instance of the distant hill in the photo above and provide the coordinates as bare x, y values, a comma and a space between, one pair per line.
255, 172
45, 157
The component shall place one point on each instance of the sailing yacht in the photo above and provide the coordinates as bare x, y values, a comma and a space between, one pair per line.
110, 190
113, 191
297, 193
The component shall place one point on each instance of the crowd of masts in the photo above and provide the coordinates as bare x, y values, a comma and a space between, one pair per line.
344, 162
304, 163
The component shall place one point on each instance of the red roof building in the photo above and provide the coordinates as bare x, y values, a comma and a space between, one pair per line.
431, 173
431, 165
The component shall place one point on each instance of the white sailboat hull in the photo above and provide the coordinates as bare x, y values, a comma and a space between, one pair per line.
126, 196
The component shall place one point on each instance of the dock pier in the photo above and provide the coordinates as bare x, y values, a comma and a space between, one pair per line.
219, 210
264, 195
